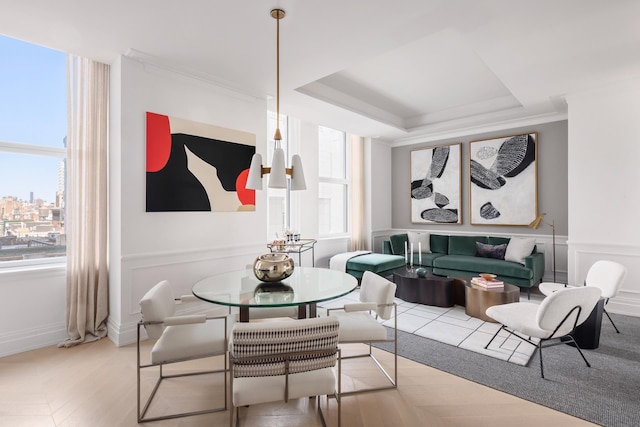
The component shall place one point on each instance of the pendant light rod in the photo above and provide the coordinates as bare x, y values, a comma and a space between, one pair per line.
278, 171
277, 14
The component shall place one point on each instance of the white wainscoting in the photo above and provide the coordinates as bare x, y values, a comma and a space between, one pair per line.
33, 308
182, 270
584, 254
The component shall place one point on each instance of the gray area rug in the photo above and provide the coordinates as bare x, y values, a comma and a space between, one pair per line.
608, 393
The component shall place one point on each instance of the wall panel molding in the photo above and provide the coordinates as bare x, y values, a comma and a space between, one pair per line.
585, 253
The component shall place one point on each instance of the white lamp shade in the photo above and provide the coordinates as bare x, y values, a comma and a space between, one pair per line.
297, 181
254, 180
278, 174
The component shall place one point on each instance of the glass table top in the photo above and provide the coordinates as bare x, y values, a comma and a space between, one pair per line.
307, 285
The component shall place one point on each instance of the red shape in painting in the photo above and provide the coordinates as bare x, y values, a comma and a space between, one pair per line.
158, 141
246, 196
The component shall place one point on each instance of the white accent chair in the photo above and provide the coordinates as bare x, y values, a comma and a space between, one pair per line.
359, 322
284, 359
178, 339
606, 275
554, 319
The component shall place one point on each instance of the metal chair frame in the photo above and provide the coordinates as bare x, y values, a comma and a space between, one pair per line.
561, 339
142, 412
394, 380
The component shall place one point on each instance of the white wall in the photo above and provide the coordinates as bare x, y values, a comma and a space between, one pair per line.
180, 246
145, 248
378, 190
33, 309
604, 183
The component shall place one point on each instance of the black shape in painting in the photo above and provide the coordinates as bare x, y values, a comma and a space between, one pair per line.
488, 211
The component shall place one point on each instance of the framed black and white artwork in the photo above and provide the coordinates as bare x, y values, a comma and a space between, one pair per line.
503, 187
436, 185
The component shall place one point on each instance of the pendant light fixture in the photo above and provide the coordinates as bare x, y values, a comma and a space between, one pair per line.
278, 171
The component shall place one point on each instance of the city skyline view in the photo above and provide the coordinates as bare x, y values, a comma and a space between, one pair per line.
32, 111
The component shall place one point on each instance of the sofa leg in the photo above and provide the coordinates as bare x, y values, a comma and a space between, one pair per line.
528, 293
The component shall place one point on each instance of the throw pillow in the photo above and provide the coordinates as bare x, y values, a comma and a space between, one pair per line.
422, 238
518, 249
397, 243
490, 251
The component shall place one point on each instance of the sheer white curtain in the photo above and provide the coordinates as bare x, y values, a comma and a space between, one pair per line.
86, 200
356, 219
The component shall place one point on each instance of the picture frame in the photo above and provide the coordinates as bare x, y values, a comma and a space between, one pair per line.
503, 180
192, 166
436, 184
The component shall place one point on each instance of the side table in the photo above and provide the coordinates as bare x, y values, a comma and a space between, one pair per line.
477, 299
296, 247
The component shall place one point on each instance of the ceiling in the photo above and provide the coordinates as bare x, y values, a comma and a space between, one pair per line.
396, 70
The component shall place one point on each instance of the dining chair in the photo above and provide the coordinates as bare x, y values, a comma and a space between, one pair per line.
554, 319
280, 360
603, 274
359, 323
178, 339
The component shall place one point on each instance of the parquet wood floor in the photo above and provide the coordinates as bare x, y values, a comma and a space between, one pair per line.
94, 385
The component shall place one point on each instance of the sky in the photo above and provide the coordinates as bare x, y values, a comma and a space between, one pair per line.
32, 111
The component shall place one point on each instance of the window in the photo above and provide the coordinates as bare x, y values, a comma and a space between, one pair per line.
333, 182
33, 120
278, 199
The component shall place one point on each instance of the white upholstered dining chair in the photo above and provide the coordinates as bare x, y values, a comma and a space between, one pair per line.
280, 360
359, 323
603, 274
178, 339
555, 318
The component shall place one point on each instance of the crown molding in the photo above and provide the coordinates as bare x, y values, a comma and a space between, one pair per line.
160, 66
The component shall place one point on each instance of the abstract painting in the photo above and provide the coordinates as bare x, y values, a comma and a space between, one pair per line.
504, 184
436, 185
197, 167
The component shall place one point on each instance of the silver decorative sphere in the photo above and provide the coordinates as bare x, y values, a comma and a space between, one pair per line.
421, 272
273, 267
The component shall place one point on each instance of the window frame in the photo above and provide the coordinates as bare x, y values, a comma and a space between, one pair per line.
33, 150
345, 182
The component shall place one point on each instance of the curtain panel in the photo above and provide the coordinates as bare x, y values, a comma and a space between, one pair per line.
86, 200
358, 239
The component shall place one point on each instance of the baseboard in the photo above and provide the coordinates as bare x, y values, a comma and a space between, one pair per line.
26, 340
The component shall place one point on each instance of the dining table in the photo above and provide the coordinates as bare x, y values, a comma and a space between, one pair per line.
304, 288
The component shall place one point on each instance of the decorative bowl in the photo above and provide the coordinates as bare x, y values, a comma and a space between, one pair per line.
421, 272
273, 267
487, 276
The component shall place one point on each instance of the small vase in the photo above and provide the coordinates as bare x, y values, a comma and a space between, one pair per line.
273, 267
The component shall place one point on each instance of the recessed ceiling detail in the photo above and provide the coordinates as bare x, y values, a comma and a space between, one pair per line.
435, 79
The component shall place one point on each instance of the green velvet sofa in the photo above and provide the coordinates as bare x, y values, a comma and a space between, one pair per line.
456, 256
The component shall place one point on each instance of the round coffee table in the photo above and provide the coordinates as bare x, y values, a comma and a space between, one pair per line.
478, 299
428, 290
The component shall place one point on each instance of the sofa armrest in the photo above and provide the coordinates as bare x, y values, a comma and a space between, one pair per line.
535, 262
386, 247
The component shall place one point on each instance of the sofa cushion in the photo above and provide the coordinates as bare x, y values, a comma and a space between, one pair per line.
518, 249
490, 251
427, 259
439, 244
420, 241
464, 245
375, 263
473, 264
397, 243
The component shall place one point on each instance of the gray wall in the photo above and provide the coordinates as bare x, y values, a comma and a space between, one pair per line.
552, 181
